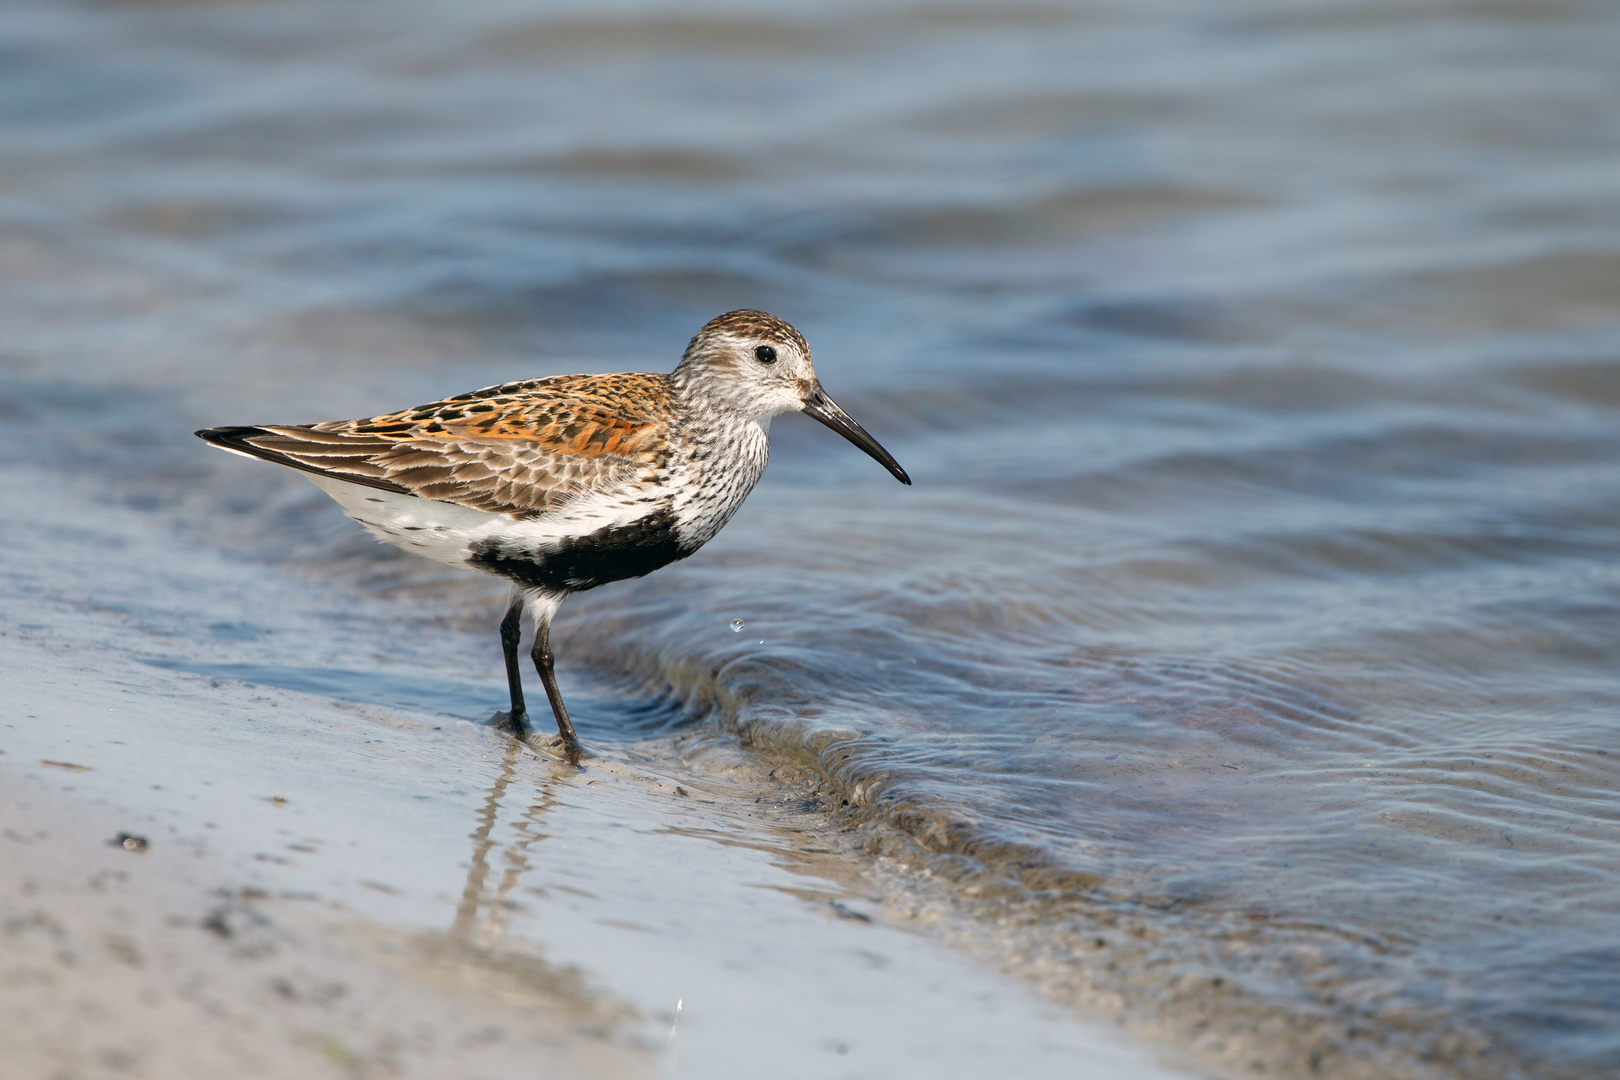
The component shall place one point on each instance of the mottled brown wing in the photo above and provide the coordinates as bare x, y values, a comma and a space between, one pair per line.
523, 448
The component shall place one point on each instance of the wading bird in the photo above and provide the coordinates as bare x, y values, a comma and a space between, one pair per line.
562, 484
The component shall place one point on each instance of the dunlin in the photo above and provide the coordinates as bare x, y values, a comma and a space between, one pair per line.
560, 485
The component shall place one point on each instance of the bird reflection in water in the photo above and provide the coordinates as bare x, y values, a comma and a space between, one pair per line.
481, 915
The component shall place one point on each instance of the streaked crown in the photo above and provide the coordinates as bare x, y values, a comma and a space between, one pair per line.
746, 323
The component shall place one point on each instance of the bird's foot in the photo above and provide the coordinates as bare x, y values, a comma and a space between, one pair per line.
572, 751
515, 723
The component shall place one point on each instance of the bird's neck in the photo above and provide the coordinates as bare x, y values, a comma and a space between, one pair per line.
725, 454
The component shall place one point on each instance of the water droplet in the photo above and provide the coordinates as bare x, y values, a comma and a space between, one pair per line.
736, 626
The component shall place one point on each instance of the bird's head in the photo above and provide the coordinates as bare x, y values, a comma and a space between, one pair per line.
757, 365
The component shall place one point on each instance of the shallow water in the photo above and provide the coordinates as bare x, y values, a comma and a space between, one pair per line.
1253, 611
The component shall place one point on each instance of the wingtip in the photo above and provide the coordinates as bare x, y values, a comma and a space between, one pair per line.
226, 436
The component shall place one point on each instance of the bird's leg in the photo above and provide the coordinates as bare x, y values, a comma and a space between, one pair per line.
542, 662
511, 632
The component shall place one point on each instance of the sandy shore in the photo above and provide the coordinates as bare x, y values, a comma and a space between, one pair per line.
124, 962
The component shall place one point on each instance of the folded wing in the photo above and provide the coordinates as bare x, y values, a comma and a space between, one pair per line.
524, 449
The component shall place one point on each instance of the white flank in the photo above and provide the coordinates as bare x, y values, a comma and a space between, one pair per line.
446, 532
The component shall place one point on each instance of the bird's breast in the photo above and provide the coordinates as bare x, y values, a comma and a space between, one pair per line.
720, 467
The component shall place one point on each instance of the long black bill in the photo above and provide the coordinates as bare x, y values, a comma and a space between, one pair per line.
823, 408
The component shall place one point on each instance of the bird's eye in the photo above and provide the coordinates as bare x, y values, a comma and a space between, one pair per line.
765, 354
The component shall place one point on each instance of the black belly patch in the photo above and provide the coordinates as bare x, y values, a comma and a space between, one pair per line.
584, 562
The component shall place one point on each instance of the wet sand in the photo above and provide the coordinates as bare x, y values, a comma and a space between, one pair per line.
332, 887
121, 962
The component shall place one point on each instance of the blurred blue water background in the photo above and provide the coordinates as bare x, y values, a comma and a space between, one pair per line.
1247, 646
